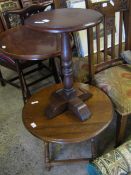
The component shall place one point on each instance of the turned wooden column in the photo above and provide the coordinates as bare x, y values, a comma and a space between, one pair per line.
67, 63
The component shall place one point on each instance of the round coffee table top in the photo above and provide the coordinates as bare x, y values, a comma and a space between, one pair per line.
66, 128
24, 43
64, 20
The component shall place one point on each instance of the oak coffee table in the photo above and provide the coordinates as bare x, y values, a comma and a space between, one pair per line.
66, 128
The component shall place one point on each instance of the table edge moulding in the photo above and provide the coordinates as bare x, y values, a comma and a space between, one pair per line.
63, 20
66, 128
16, 50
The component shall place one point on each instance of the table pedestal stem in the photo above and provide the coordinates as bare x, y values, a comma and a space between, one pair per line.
67, 64
68, 98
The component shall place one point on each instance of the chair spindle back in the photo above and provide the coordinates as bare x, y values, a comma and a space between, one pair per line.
111, 36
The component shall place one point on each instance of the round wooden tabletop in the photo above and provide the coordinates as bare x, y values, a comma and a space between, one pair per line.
66, 128
64, 20
24, 43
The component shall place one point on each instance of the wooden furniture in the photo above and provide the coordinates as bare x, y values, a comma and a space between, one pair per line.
22, 45
59, 3
23, 14
25, 3
66, 128
127, 23
107, 69
31, 45
41, 2
9, 5
1, 26
64, 21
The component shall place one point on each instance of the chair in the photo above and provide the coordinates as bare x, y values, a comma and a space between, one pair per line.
106, 68
117, 161
12, 19
59, 3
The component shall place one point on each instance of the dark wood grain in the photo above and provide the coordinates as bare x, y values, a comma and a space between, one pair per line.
26, 44
64, 20
127, 23
66, 128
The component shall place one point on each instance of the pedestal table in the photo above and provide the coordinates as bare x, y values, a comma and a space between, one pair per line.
64, 21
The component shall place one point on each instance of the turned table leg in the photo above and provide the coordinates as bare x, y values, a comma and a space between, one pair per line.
93, 149
47, 156
68, 98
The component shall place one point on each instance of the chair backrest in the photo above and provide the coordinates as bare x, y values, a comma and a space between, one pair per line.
110, 36
19, 16
59, 3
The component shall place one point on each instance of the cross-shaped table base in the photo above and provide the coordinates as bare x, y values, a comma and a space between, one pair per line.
73, 101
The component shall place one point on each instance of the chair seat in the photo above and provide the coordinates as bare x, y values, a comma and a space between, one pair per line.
115, 162
116, 82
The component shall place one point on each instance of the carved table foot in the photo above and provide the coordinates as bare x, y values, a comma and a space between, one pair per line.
79, 108
61, 101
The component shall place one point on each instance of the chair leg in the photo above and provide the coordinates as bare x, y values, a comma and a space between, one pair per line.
55, 69
2, 79
25, 91
93, 149
40, 65
47, 156
120, 128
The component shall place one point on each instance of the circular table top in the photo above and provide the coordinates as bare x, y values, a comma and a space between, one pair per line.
24, 43
66, 128
64, 20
